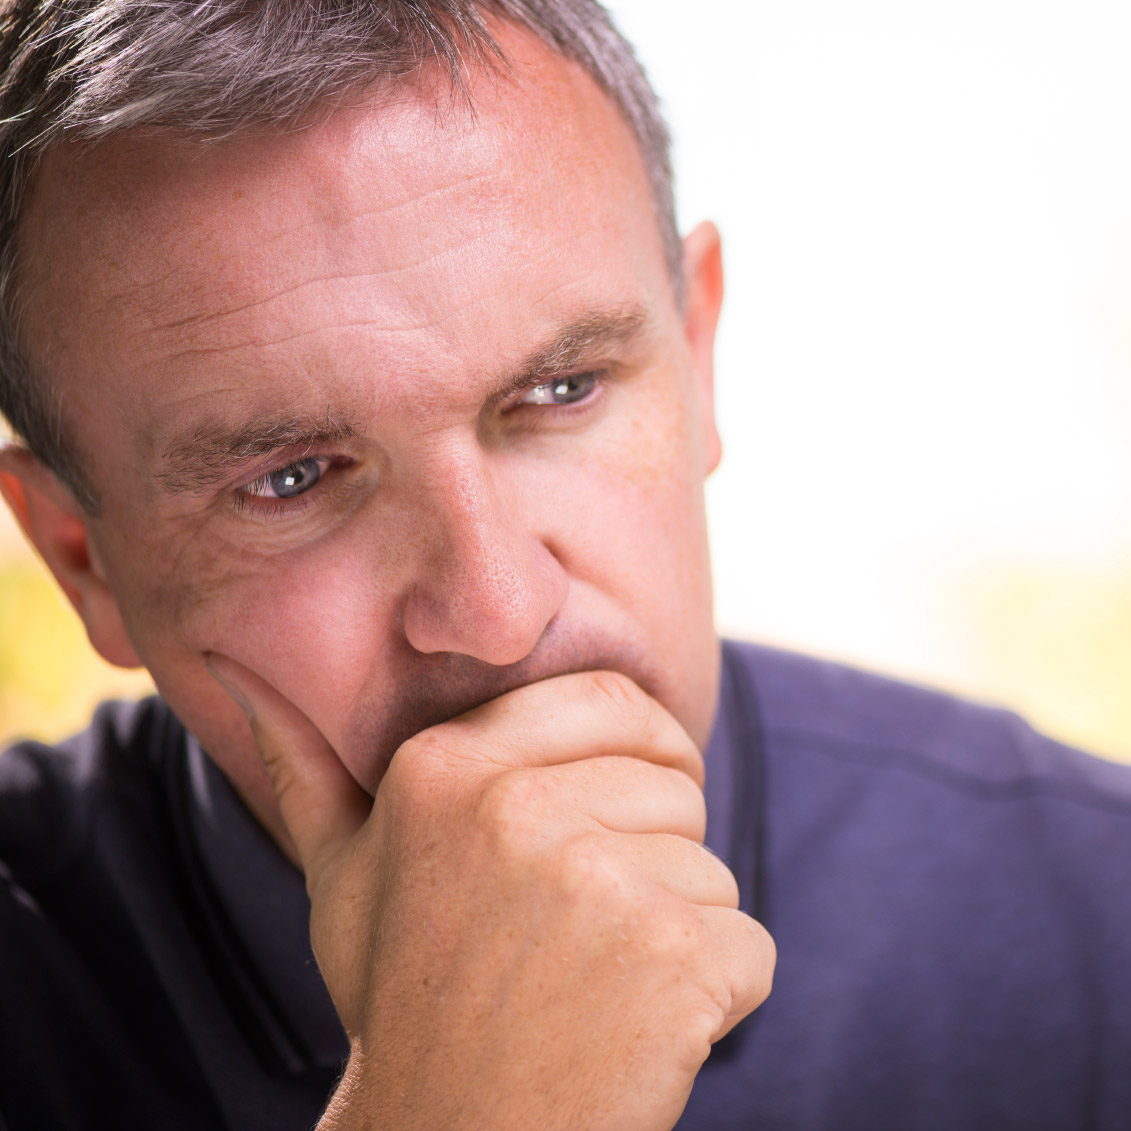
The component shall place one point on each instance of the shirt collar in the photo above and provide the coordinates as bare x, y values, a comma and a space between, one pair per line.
718, 787
265, 903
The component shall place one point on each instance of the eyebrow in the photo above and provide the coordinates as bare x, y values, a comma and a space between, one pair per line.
206, 456
578, 343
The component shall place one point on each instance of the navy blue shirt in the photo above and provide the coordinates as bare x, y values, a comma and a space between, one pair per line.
948, 892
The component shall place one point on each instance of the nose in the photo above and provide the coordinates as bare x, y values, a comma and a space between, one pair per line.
486, 586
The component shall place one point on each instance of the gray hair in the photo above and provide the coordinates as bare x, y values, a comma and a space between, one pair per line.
86, 70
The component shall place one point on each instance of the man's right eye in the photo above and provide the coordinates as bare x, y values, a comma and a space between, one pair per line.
562, 391
288, 482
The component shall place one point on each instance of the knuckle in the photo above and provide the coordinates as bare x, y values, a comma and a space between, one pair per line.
419, 762
749, 977
733, 896
277, 769
692, 799
419, 785
727, 880
588, 873
511, 804
287, 784
764, 951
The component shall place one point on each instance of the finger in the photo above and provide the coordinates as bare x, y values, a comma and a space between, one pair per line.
624, 795
321, 804
564, 719
746, 955
677, 865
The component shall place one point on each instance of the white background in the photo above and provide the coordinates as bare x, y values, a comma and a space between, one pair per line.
924, 359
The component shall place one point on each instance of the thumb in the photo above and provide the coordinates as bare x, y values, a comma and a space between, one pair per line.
321, 804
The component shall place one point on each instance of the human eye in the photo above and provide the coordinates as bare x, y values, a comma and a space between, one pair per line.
562, 390
288, 482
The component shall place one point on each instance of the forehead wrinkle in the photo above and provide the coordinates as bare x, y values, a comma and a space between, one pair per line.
462, 182
283, 234
203, 457
203, 318
138, 294
412, 327
262, 343
592, 331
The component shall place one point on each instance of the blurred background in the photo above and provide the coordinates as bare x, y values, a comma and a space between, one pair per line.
924, 369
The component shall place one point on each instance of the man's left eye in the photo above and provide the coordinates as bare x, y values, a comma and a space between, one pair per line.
289, 481
564, 390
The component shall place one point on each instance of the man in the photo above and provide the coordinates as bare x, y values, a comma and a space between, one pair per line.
367, 398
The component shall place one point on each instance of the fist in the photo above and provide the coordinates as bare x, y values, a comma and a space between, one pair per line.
523, 927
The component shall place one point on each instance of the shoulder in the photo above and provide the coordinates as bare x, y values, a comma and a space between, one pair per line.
871, 726
51, 794
102, 975
948, 893
906, 821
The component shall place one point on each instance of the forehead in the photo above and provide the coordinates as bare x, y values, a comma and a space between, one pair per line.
410, 218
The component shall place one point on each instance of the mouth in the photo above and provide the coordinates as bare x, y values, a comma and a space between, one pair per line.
432, 689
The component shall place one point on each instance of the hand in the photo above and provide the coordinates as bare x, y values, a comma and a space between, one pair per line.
523, 928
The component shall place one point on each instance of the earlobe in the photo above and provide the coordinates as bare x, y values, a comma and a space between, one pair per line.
703, 283
58, 528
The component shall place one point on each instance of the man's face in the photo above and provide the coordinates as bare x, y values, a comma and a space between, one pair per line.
397, 411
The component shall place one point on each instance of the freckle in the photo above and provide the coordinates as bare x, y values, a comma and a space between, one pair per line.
648, 454
238, 195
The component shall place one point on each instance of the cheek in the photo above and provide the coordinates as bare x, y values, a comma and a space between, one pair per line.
308, 627
649, 492
309, 622
647, 543
642, 545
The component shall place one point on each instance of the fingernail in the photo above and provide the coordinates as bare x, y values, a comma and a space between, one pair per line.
237, 695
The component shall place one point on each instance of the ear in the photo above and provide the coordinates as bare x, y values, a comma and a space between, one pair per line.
58, 527
703, 283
